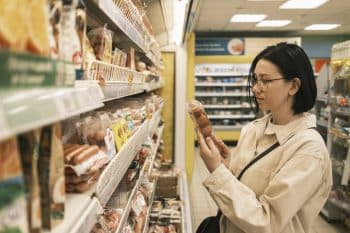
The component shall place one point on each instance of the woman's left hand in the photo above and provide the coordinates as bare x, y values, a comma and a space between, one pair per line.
208, 151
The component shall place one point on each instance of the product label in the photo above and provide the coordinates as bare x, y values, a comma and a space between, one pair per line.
110, 145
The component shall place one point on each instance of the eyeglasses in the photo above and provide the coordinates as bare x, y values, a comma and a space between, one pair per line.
262, 83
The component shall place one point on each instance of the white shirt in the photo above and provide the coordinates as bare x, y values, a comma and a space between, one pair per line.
281, 193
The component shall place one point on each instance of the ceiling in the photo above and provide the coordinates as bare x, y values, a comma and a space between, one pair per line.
214, 16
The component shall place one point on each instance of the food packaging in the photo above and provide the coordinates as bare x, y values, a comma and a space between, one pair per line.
51, 176
119, 57
101, 42
29, 149
130, 61
13, 217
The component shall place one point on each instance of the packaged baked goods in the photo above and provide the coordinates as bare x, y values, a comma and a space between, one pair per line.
13, 28
13, 217
29, 150
51, 176
199, 117
101, 42
37, 27
130, 61
119, 57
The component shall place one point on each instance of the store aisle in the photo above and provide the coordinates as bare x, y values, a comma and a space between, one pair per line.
203, 206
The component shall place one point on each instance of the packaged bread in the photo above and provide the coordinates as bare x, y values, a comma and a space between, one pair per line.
13, 24
51, 176
101, 41
37, 27
13, 202
29, 149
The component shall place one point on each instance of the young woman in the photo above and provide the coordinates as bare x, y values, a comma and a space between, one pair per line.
284, 191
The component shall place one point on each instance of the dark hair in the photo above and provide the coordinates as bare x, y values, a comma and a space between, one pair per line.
292, 62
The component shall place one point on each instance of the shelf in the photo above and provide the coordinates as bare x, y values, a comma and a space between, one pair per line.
216, 74
322, 99
322, 123
155, 148
226, 127
127, 208
80, 215
119, 164
154, 121
222, 106
216, 94
231, 116
343, 113
106, 11
338, 134
148, 87
184, 196
344, 206
221, 84
146, 225
24, 110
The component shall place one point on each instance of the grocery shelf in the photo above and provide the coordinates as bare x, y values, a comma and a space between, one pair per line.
154, 121
148, 87
335, 132
227, 127
80, 215
231, 116
221, 84
127, 208
221, 106
340, 112
322, 123
119, 164
23, 110
105, 11
184, 196
155, 148
342, 205
322, 99
210, 94
221, 74
146, 225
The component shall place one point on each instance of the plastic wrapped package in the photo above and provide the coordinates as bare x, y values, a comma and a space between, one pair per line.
101, 42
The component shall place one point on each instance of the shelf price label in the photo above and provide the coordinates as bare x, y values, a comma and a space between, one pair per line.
66, 104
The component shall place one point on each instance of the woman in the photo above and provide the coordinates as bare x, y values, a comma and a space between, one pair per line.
285, 190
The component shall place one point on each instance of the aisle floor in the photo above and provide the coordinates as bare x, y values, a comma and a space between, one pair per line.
203, 206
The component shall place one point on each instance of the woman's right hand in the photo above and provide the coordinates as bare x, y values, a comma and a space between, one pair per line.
224, 150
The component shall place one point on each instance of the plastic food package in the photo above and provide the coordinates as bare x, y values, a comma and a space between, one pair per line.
101, 41
130, 61
119, 57
199, 117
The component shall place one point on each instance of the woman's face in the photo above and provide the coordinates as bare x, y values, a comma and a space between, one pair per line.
271, 95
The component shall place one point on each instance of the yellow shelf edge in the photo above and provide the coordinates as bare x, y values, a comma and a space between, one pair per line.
223, 59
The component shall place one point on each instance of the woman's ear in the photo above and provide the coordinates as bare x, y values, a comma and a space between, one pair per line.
295, 86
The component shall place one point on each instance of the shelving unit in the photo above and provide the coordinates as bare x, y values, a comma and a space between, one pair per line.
223, 90
338, 134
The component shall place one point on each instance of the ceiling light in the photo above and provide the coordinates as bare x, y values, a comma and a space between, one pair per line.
273, 23
322, 26
247, 18
302, 4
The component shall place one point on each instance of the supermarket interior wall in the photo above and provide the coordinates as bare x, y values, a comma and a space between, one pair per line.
320, 46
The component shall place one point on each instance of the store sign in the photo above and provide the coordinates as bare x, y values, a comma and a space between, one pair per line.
220, 46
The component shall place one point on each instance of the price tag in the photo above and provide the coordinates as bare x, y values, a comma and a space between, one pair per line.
65, 104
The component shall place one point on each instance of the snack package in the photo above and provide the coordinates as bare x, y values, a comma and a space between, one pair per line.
130, 62
51, 176
101, 41
29, 149
119, 57
13, 217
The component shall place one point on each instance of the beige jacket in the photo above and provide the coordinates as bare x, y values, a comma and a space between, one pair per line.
281, 193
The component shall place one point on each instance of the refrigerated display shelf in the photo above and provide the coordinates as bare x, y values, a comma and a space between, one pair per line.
198, 84
186, 210
146, 225
322, 123
211, 94
155, 148
148, 87
24, 110
119, 164
222, 106
342, 205
231, 116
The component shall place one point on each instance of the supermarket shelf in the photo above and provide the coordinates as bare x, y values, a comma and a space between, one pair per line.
80, 215
155, 148
344, 206
221, 84
322, 99
119, 164
226, 127
146, 226
343, 113
113, 89
210, 94
335, 132
184, 196
231, 116
322, 123
24, 110
148, 87
154, 121
231, 135
221, 106
221, 74
128, 206
105, 11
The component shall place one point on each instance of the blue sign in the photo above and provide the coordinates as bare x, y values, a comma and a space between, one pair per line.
220, 46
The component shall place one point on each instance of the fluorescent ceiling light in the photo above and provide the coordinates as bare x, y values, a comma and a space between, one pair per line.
322, 26
247, 18
273, 23
302, 4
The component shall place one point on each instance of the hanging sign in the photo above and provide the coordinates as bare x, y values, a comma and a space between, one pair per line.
220, 46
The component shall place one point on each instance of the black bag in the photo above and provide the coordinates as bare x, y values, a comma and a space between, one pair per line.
212, 224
